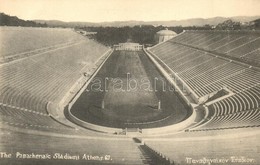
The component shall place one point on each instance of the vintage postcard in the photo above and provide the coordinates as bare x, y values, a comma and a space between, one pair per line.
169, 82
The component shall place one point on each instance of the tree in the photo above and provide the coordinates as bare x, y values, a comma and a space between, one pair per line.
229, 25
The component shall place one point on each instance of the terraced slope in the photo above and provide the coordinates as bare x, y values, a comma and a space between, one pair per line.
28, 84
192, 57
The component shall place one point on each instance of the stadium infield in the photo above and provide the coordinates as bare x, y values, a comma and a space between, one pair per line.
129, 92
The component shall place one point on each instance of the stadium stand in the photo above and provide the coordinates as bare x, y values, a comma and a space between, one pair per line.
28, 84
206, 72
238, 44
79, 149
12, 40
239, 110
210, 147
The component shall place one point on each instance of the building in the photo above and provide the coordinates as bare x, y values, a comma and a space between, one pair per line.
164, 35
128, 46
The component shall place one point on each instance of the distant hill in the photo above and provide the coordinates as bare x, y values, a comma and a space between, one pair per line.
6, 20
255, 24
188, 22
54, 23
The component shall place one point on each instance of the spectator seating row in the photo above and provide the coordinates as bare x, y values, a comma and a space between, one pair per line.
27, 85
207, 146
90, 150
206, 72
238, 110
239, 44
37, 39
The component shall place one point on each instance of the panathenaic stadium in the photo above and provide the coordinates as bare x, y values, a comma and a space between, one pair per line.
66, 99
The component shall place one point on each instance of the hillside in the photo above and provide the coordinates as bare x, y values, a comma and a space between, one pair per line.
256, 24
6, 20
186, 22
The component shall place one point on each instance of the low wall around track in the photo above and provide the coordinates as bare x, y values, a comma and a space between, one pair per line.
93, 126
74, 99
160, 130
167, 76
85, 124
179, 126
56, 110
172, 128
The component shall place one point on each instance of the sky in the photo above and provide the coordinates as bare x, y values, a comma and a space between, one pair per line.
124, 10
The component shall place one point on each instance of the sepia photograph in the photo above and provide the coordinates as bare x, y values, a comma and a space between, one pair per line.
130, 82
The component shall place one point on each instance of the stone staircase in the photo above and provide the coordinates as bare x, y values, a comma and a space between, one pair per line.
147, 156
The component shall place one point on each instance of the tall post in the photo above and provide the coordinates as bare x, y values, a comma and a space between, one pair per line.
174, 78
103, 104
159, 105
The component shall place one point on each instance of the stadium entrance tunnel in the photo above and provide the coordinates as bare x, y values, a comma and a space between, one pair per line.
129, 92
